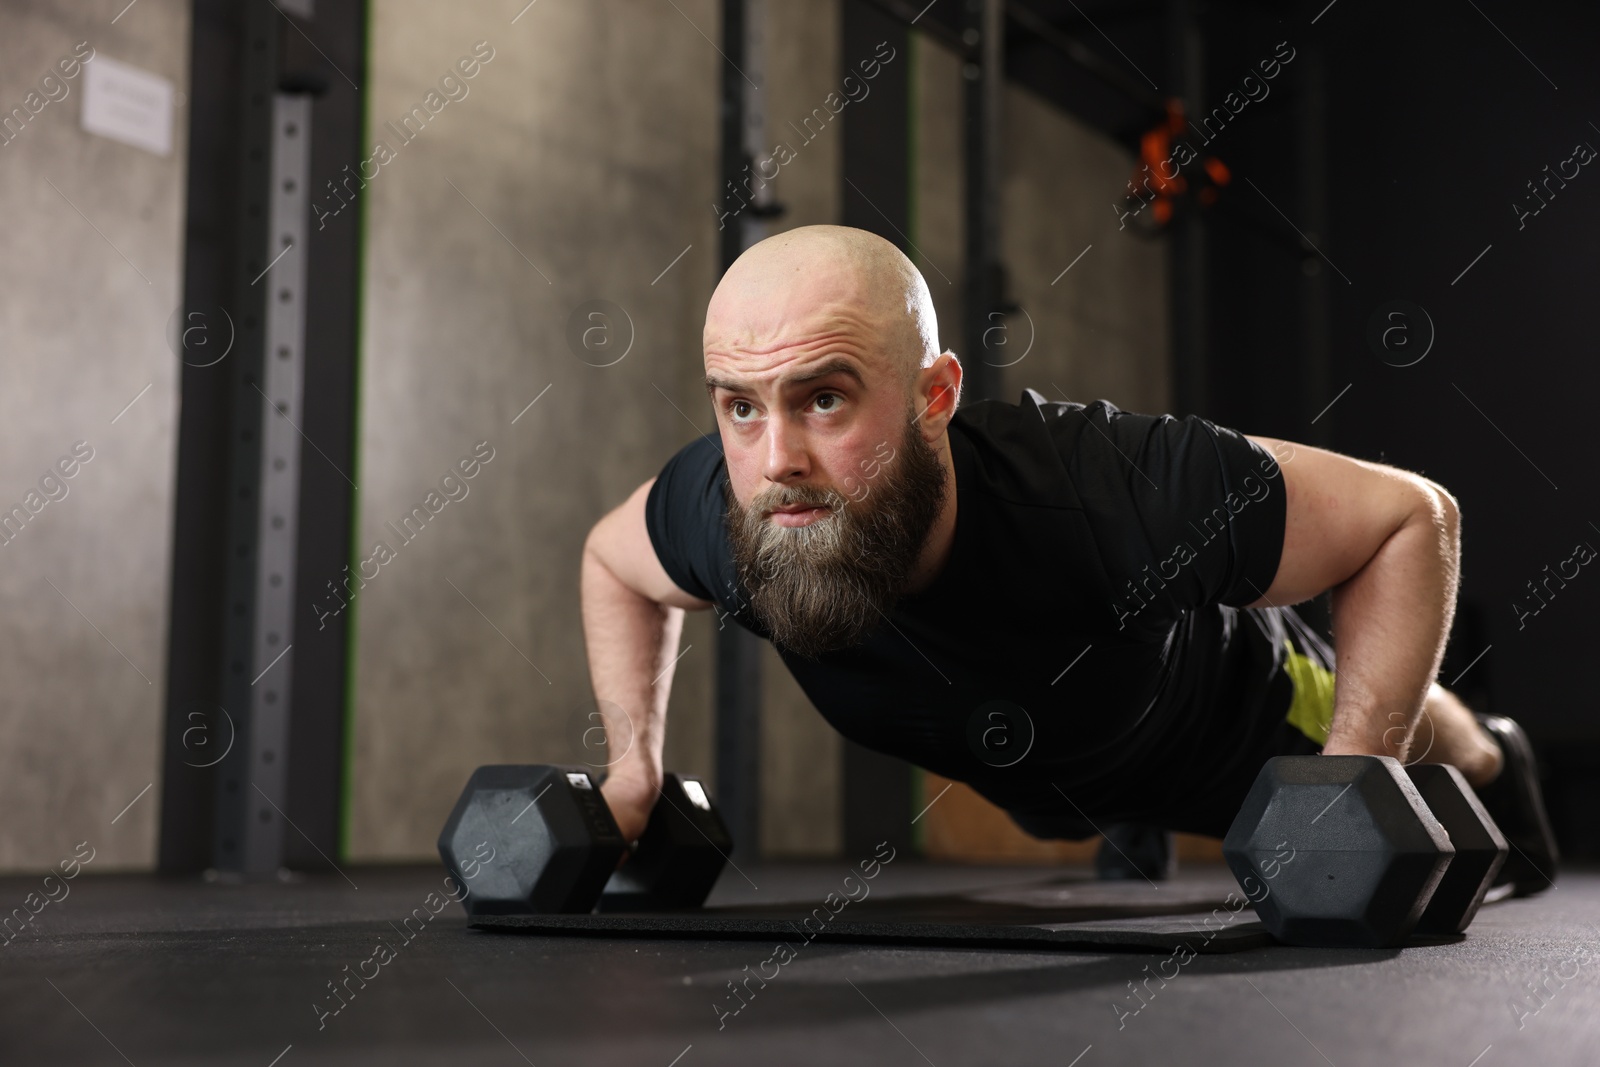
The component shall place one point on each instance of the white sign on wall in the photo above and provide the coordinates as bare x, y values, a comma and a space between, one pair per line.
127, 104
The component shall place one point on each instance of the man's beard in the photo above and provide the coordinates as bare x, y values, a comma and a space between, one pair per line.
823, 586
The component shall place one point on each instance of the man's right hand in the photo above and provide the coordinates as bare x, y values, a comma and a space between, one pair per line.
630, 796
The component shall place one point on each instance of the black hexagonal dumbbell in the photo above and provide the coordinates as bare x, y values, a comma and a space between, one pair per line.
540, 839
1364, 853
1480, 848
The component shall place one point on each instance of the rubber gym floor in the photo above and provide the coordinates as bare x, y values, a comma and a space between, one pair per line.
137, 970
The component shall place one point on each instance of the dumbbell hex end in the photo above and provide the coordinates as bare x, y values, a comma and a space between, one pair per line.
530, 838
1337, 851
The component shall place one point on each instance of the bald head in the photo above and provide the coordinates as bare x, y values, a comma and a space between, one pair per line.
823, 284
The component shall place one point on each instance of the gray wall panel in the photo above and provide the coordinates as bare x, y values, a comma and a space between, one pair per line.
92, 271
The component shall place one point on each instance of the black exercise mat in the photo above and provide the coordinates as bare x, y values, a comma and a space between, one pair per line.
1064, 914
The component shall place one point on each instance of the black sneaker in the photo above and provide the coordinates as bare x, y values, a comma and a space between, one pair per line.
1134, 850
1517, 806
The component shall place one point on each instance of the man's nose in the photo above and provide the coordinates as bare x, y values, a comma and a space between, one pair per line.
786, 457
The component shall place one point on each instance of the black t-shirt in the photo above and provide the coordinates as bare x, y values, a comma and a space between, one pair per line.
1083, 648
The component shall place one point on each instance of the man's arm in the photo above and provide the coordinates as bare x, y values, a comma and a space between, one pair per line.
632, 619
1388, 543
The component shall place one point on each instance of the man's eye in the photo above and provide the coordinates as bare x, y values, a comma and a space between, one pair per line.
740, 409
826, 401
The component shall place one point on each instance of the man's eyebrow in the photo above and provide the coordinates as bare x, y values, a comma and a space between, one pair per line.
838, 365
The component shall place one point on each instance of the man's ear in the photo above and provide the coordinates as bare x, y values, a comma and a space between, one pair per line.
939, 392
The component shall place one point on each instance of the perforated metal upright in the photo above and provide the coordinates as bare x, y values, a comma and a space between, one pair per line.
264, 524
264, 467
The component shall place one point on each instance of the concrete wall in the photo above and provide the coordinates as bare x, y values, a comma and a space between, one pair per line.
91, 274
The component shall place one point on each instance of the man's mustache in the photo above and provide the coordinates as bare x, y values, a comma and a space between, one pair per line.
771, 499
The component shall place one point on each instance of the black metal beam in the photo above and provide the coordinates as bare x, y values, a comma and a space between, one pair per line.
1063, 41
1316, 345
913, 14
738, 670
1075, 51
199, 560
730, 128
983, 74
1186, 266
876, 196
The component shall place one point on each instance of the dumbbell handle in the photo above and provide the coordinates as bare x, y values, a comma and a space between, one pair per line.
677, 859
631, 801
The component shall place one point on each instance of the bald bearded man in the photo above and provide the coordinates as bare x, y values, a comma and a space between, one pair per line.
1082, 612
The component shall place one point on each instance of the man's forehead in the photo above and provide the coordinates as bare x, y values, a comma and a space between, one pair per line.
787, 367
768, 347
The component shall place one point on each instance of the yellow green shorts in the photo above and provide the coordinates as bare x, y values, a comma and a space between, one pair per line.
1311, 711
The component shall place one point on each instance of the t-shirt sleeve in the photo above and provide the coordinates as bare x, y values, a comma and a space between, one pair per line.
1186, 512
683, 513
